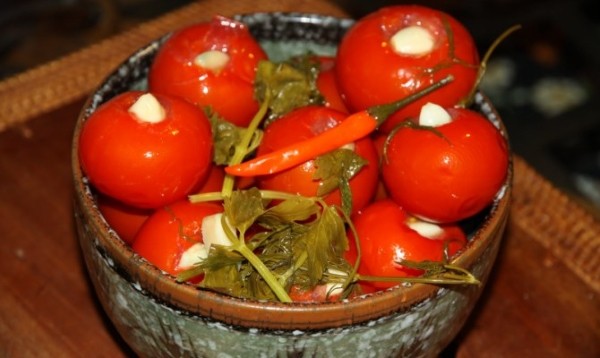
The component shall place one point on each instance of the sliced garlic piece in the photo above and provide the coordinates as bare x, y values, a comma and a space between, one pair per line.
433, 115
212, 60
412, 41
336, 272
334, 288
213, 231
349, 146
192, 256
425, 229
147, 109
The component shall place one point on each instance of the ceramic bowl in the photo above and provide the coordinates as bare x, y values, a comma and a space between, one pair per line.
158, 317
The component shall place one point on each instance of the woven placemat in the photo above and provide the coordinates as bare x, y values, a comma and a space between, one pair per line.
558, 222
72, 77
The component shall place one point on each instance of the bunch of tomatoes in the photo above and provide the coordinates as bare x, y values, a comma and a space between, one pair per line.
402, 179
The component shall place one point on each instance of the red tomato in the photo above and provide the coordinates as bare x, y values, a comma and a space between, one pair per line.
351, 255
385, 238
370, 72
245, 182
379, 140
327, 85
144, 164
303, 123
225, 86
449, 175
170, 231
213, 182
124, 219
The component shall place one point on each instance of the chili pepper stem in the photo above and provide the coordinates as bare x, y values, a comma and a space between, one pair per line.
383, 111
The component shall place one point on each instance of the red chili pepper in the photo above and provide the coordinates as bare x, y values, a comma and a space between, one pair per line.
354, 127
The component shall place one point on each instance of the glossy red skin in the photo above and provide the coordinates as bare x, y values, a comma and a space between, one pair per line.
379, 140
230, 92
213, 181
390, 76
125, 220
170, 231
385, 238
304, 123
146, 165
327, 85
450, 177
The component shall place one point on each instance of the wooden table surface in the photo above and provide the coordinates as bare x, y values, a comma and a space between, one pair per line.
543, 299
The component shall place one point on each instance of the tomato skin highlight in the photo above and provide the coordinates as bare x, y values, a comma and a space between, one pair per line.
146, 165
170, 231
303, 123
230, 91
449, 176
390, 76
385, 237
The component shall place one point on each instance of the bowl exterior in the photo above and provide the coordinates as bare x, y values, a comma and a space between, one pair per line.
154, 328
158, 317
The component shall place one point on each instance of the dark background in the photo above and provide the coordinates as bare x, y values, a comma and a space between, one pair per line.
544, 79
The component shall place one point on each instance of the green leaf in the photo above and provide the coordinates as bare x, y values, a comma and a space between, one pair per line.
257, 288
218, 269
292, 84
226, 136
325, 242
228, 280
301, 241
298, 208
335, 169
243, 208
279, 248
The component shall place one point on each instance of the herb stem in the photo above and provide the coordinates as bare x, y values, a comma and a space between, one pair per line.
204, 197
297, 264
265, 194
452, 275
264, 272
353, 276
239, 245
483, 64
241, 149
